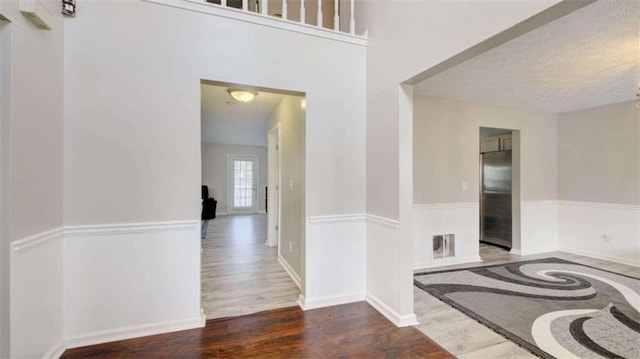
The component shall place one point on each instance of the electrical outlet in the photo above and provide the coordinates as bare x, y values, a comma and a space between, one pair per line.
606, 237
290, 247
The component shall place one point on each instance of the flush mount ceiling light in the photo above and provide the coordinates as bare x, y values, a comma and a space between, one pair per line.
242, 95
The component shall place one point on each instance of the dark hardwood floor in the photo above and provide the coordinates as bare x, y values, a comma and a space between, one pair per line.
349, 331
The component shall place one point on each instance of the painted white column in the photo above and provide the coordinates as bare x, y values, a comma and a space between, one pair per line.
336, 16
352, 23
284, 9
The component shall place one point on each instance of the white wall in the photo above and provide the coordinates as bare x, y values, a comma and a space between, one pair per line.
154, 288
289, 115
446, 154
132, 141
598, 154
598, 182
215, 172
32, 76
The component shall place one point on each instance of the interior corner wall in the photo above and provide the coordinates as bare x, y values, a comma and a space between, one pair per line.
598, 182
132, 144
446, 143
406, 38
215, 172
32, 76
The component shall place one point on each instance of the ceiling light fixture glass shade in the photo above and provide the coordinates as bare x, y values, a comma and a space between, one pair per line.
242, 95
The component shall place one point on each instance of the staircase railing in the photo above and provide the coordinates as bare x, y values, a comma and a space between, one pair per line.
336, 15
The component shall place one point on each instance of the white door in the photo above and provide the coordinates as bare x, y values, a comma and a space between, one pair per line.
243, 174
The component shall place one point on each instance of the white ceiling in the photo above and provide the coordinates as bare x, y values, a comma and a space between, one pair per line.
588, 58
226, 121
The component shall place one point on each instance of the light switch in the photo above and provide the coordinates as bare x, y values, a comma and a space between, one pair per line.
465, 185
290, 185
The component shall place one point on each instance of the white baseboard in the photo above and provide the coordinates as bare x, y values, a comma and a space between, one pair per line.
56, 351
528, 252
395, 318
447, 262
307, 304
134, 332
599, 256
294, 276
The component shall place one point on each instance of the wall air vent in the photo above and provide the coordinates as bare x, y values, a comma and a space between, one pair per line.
444, 246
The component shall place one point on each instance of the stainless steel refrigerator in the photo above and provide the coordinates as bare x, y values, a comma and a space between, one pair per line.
495, 199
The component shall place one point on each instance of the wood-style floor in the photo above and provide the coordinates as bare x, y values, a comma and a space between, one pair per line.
240, 275
354, 330
467, 339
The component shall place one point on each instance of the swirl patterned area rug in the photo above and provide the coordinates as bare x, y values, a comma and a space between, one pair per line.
552, 307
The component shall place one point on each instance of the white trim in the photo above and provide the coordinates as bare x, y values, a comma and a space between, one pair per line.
294, 276
630, 207
136, 331
447, 262
532, 251
392, 223
37, 240
261, 212
128, 228
395, 318
599, 256
541, 203
337, 218
307, 304
264, 20
447, 205
55, 351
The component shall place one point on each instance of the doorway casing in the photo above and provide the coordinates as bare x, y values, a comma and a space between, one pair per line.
273, 191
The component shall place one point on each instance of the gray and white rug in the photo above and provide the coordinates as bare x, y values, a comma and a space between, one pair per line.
552, 307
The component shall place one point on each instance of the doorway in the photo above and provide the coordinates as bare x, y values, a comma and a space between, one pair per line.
499, 189
248, 143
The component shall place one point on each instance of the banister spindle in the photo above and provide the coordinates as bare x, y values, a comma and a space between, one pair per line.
320, 24
284, 9
303, 13
352, 23
264, 7
336, 16
245, 4
223, 2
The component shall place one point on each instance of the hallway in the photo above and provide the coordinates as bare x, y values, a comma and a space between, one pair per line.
241, 275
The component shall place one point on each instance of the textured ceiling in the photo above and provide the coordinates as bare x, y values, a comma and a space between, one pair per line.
588, 58
226, 121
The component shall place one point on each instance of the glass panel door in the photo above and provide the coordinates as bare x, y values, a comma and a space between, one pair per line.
244, 184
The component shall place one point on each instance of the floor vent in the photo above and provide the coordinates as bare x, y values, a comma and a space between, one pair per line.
444, 246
